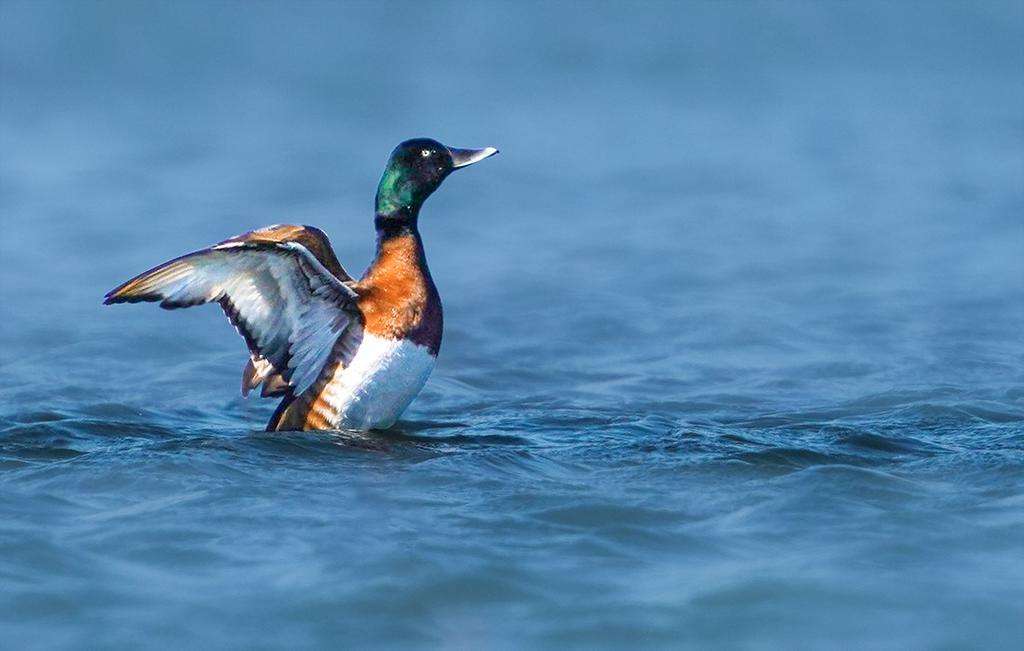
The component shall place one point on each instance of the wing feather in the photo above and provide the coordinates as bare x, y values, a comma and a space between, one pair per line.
286, 305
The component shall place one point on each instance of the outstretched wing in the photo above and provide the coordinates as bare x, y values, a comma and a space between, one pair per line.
311, 237
257, 369
289, 308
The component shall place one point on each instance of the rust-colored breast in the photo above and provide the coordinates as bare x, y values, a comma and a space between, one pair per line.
397, 296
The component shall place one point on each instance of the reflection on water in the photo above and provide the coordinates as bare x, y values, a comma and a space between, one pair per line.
733, 355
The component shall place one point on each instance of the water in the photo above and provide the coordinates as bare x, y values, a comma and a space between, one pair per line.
733, 352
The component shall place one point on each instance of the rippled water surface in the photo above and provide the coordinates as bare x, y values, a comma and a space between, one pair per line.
733, 355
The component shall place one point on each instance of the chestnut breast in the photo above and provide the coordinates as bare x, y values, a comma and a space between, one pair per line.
397, 296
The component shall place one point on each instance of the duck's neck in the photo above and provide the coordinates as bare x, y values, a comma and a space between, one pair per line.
396, 215
399, 222
399, 245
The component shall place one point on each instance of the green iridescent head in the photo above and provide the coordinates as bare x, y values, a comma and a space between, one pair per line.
416, 168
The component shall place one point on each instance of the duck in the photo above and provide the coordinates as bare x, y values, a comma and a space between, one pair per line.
340, 353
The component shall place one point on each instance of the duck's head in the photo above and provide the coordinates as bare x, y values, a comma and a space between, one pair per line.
415, 169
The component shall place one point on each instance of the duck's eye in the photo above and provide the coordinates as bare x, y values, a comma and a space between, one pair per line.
424, 153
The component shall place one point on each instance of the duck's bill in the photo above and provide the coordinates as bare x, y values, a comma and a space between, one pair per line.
464, 157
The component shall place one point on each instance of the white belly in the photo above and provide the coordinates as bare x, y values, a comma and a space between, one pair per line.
378, 383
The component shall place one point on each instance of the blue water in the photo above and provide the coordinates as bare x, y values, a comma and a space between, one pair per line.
733, 351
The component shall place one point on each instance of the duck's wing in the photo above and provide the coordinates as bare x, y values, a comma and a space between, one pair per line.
257, 369
311, 237
279, 296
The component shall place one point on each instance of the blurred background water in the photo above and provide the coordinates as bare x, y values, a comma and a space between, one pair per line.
733, 354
